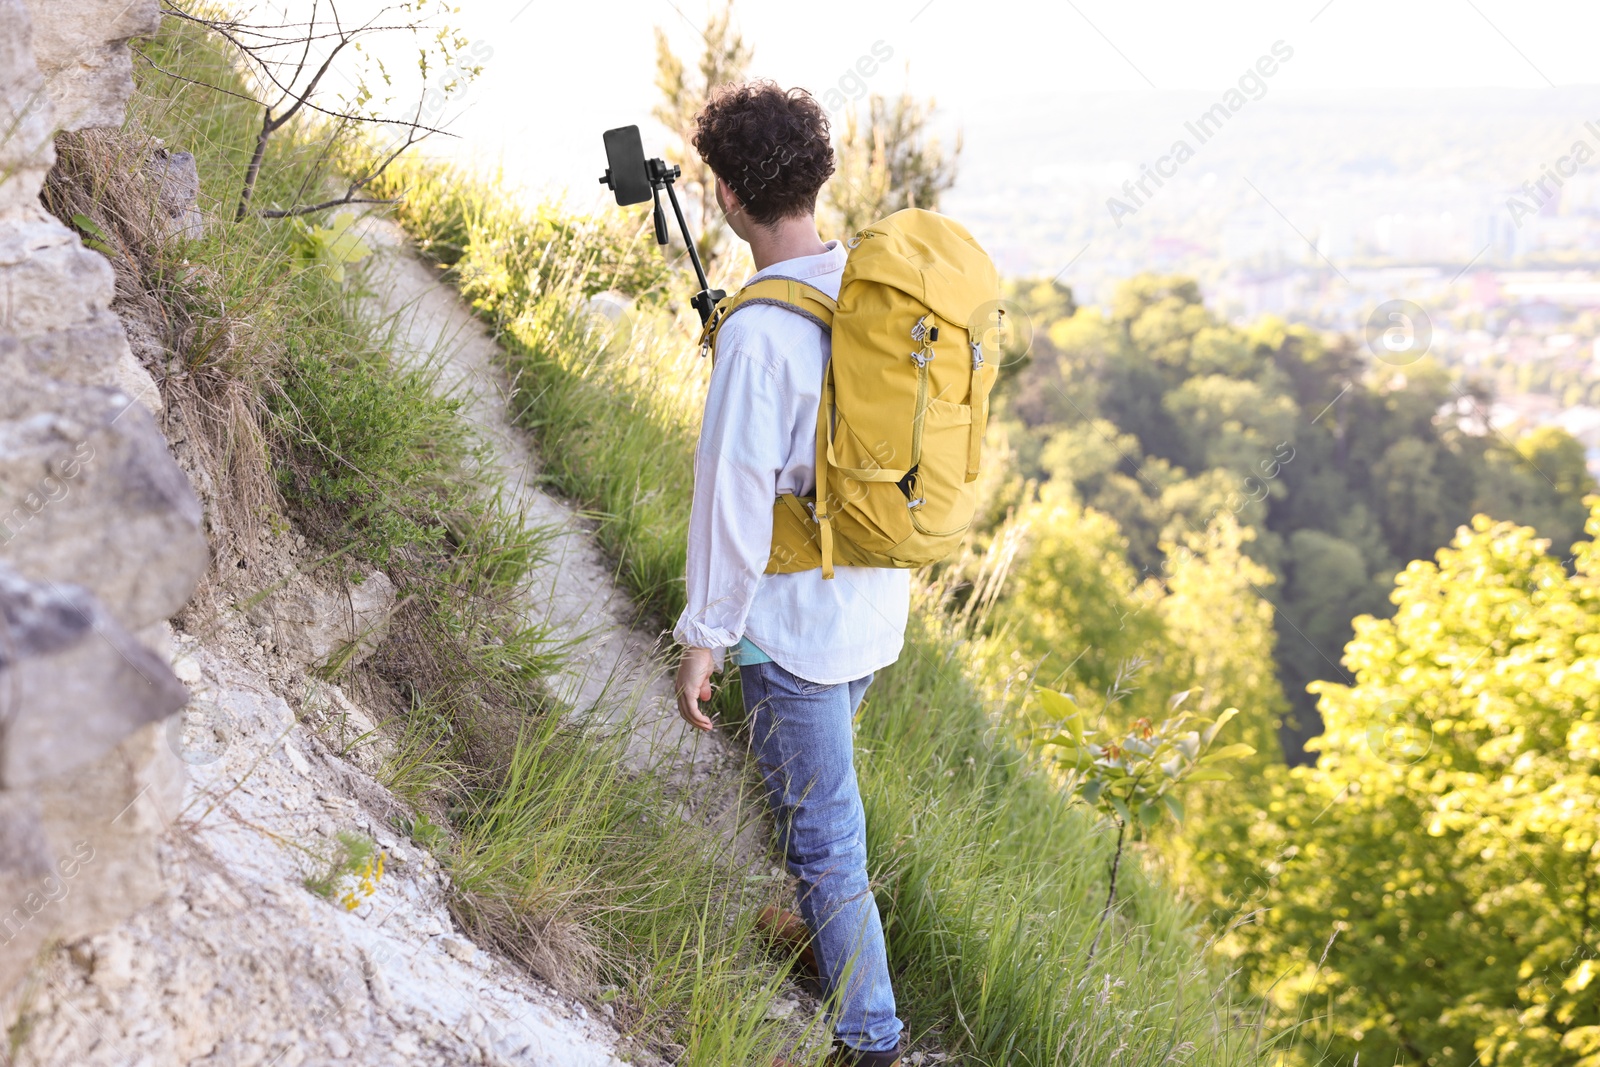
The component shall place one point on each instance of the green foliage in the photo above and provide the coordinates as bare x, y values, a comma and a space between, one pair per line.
369, 444
684, 95
1132, 777
887, 160
1264, 486
1448, 831
330, 248
1075, 609
424, 831
349, 873
1077, 614
1220, 626
93, 236
1163, 418
584, 871
1567, 376
1229, 423
991, 885
500, 251
1541, 481
1044, 299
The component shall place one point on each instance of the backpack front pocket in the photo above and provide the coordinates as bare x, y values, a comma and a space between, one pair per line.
939, 507
872, 514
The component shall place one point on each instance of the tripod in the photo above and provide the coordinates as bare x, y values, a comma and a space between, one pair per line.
660, 174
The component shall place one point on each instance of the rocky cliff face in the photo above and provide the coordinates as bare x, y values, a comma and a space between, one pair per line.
100, 533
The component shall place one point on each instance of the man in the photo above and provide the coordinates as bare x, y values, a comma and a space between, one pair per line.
806, 647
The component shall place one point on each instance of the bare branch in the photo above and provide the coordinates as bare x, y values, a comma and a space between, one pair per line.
325, 205
251, 52
369, 120
175, 76
305, 95
305, 51
296, 80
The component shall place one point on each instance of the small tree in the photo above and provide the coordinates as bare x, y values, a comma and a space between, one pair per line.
1130, 777
726, 59
290, 63
887, 161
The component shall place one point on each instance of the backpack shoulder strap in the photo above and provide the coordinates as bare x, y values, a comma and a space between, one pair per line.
792, 293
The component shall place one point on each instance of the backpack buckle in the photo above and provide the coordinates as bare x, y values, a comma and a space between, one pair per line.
924, 335
811, 506
708, 333
977, 354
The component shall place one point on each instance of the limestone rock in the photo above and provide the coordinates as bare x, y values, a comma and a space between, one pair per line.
26, 885
26, 152
77, 684
109, 816
177, 192
314, 625
240, 964
86, 354
50, 278
55, 321
347, 727
82, 50
91, 496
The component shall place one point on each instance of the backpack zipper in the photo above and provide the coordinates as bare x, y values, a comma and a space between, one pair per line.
923, 335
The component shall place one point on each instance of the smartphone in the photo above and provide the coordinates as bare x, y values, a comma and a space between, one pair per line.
625, 158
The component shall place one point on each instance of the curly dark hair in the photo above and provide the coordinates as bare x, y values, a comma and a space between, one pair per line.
770, 146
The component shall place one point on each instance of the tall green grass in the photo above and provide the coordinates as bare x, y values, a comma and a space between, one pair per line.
615, 412
990, 881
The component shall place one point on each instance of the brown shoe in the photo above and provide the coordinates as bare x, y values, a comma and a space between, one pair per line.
787, 932
845, 1056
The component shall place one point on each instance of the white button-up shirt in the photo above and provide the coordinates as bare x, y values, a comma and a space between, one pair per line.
758, 440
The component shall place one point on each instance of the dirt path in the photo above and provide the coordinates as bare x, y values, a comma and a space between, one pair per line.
618, 673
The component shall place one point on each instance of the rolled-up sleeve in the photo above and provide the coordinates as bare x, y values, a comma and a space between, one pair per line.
736, 467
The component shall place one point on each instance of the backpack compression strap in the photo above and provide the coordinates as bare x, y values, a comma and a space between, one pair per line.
792, 293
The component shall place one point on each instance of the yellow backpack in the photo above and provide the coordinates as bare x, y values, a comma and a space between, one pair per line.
905, 398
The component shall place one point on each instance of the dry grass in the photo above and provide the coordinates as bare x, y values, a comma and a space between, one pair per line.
212, 368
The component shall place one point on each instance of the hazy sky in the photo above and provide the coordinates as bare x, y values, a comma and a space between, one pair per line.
558, 73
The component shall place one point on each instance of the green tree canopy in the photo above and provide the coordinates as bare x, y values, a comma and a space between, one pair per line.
1164, 417
1448, 833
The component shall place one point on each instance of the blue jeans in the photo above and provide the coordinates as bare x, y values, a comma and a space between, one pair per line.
800, 734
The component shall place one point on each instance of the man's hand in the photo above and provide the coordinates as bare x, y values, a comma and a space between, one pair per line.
693, 685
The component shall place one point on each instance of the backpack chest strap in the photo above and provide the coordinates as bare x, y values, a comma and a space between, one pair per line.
791, 293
